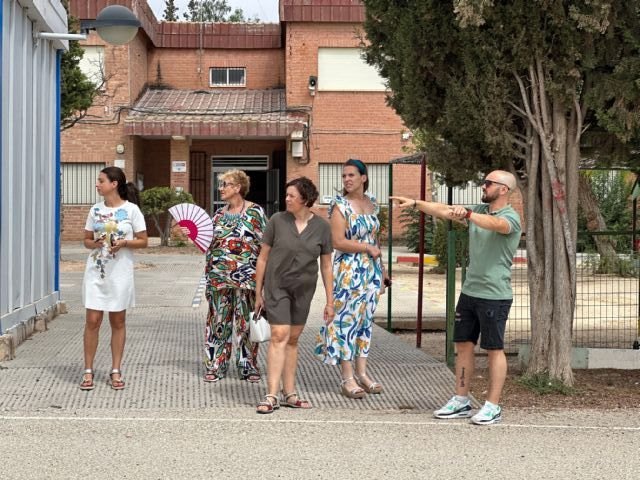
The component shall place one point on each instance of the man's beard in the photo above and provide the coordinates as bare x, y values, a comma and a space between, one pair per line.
486, 198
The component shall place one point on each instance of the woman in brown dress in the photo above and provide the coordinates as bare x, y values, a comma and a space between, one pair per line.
286, 278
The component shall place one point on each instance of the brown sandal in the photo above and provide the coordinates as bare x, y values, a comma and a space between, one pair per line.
297, 404
87, 384
211, 377
116, 384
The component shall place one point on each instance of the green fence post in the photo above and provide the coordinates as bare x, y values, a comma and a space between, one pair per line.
451, 292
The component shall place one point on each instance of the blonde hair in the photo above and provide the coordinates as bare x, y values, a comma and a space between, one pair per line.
239, 178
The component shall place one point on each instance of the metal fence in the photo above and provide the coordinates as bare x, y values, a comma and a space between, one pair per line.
607, 309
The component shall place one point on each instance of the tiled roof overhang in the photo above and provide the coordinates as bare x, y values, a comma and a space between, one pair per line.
214, 113
347, 11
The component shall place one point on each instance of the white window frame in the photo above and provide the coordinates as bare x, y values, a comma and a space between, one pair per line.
227, 84
92, 65
330, 181
79, 183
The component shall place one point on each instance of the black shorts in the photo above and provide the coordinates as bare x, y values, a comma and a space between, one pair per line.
477, 317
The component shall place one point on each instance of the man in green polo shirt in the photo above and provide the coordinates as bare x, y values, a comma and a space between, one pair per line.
486, 297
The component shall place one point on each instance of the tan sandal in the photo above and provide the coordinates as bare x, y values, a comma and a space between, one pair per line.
373, 387
116, 384
87, 383
354, 392
270, 406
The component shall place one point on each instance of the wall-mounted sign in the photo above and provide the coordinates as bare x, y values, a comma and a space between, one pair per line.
119, 162
178, 167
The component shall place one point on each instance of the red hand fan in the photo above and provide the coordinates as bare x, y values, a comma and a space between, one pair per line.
197, 221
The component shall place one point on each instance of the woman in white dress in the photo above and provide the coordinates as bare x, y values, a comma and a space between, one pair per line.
114, 227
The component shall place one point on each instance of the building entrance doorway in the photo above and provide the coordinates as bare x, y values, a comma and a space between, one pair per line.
265, 181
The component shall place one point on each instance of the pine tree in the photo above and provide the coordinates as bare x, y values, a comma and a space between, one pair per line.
170, 11
516, 85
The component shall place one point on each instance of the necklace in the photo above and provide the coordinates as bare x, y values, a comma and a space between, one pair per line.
234, 216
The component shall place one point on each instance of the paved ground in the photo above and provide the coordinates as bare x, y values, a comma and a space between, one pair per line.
167, 423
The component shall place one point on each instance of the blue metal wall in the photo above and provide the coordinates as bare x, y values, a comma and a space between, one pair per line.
28, 162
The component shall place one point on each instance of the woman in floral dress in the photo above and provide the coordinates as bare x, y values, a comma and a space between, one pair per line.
113, 229
230, 271
359, 279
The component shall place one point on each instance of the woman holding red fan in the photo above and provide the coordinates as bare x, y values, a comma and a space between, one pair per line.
231, 279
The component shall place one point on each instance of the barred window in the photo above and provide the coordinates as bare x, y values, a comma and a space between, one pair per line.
228, 77
79, 183
330, 183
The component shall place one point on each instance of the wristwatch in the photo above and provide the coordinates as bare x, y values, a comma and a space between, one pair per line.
468, 214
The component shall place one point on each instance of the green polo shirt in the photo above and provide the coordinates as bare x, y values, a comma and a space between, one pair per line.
491, 256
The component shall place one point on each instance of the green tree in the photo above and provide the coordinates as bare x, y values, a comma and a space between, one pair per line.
515, 85
155, 203
77, 92
213, 11
170, 11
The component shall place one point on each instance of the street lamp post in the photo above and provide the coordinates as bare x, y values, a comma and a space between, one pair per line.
115, 24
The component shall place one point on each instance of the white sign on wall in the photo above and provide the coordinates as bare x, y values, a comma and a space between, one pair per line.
178, 167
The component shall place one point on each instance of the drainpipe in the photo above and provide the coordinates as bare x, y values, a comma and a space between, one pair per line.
58, 173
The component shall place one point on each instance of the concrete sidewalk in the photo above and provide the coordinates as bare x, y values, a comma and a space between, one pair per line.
163, 359
169, 424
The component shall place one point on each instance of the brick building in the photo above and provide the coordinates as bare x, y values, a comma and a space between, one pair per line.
184, 101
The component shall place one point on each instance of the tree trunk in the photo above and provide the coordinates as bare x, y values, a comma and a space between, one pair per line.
552, 193
595, 221
163, 236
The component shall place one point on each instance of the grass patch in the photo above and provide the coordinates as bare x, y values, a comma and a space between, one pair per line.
543, 384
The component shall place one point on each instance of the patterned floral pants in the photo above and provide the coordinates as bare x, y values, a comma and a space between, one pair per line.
349, 335
228, 324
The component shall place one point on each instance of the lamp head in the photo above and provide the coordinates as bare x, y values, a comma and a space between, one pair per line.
116, 24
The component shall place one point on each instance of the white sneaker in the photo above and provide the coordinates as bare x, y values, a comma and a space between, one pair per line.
454, 409
487, 415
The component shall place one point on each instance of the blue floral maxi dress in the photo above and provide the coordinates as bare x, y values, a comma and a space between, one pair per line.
357, 279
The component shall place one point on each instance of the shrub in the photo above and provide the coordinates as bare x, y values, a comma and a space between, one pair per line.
156, 201
411, 219
440, 244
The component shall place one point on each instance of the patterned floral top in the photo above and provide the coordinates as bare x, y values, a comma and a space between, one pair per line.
357, 271
108, 278
233, 254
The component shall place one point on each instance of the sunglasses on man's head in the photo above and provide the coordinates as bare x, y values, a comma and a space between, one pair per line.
487, 183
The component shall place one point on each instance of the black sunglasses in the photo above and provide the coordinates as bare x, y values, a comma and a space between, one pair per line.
488, 183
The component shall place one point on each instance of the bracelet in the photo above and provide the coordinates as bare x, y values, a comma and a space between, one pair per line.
415, 203
468, 214
366, 248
